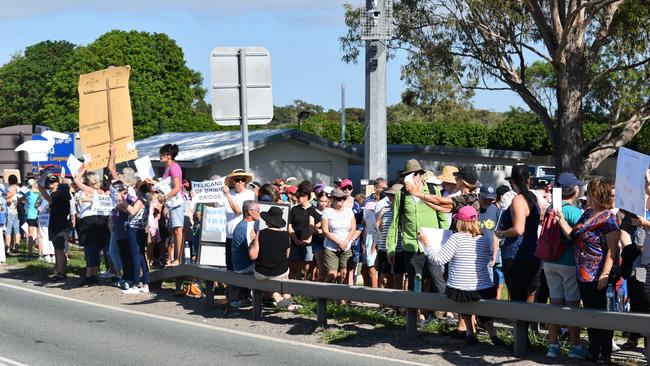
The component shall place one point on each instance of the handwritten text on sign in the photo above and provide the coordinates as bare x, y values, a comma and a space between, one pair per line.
208, 191
103, 204
214, 225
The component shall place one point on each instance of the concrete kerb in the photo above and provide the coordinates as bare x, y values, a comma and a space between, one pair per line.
518, 312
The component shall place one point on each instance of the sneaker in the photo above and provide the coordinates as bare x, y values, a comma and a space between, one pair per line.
87, 281
132, 291
554, 351
144, 289
105, 275
124, 285
240, 303
578, 353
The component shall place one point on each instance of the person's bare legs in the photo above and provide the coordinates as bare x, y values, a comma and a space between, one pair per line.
31, 231
17, 242
177, 232
61, 261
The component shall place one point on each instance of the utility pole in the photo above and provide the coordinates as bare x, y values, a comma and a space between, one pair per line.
377, 33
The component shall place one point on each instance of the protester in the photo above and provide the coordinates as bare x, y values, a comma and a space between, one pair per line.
639, 275
469, 255
12, 223
176, 222
318, 239
58, 196
595, 238
270, 250
242, 261
410, 214
347, 187
138, 210
301, 222
32, 201
561, 273
390, 275
339, 228
488, 219
236, 193
92, 228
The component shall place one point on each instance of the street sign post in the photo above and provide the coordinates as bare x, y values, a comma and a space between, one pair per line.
241, 89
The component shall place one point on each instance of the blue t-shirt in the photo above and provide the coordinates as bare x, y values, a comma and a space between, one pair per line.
488, 221
572, 216
30, 204
239, 245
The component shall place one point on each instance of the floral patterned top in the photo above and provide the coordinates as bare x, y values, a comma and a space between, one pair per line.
590, 243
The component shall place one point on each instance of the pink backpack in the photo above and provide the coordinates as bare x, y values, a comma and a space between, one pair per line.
550, 245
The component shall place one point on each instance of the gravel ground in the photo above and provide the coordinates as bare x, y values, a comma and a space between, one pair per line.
392, 343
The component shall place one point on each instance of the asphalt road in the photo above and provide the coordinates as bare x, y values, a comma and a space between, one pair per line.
36, 329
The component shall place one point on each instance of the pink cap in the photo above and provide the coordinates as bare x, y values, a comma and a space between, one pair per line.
346, 183
466, 213
291, 189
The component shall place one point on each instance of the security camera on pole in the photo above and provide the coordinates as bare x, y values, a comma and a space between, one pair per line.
377, 32
241, 89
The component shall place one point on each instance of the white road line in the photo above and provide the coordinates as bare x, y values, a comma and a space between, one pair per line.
7, 362
212, 327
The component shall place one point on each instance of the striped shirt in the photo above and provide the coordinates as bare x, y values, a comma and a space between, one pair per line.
386, 220
469, 258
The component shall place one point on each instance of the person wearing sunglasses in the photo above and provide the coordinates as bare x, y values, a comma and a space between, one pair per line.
236, 192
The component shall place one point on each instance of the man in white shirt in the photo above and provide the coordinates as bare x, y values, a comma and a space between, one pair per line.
236, 192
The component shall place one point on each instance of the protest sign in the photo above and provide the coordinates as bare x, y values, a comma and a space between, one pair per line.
7, 172
208, 191
265, 206
73, 165
435, 237
164, 187
105, 116
144, 168
557, 198
213, 226
103, 204
62, 147
213, 236
631, 168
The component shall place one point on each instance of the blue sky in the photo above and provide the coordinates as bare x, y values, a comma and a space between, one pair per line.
301, 35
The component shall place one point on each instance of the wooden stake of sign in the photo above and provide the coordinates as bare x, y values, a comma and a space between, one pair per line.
105, 116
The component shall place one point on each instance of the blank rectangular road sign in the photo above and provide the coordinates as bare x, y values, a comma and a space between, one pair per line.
225, 74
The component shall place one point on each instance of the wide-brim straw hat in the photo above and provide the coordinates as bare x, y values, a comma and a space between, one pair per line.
238, 173
447, 175
411, 166
394, 189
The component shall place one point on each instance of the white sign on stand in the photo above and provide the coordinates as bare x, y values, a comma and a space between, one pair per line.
631, 168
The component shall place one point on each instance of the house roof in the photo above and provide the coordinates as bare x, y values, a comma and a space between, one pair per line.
197, 149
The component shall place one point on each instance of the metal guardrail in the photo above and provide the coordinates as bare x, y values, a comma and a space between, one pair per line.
520, 313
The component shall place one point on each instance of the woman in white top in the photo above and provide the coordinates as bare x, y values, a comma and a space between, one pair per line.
469, 255
339, 228
92, 228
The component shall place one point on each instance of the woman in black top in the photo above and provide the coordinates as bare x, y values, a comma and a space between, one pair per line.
270, 251
58, 196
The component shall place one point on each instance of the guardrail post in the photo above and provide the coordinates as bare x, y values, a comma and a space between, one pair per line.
520, 335
646, 341
257, 304
321, 312
209, 293
411, 323
179, 284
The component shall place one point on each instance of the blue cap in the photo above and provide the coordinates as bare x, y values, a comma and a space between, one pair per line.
488, 192
566, 180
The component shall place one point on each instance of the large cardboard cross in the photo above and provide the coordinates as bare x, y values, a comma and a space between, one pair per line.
105, 116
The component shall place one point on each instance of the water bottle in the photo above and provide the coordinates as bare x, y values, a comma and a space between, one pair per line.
611, 304
621, 302
417, 286
186, 253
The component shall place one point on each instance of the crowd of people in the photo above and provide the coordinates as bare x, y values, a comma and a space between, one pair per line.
508, 236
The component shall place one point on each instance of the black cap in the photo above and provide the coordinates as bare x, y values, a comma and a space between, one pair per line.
488, 192
466, 174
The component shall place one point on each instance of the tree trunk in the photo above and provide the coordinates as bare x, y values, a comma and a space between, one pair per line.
569, 139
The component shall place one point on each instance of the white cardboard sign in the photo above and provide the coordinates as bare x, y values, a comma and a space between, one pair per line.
631, 167
208, 191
